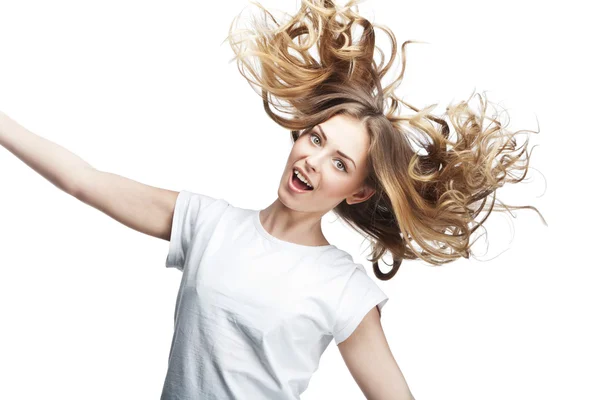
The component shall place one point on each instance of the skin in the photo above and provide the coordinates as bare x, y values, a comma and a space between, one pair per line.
296, 217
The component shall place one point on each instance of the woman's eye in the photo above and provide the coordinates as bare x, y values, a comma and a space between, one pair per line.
339, 164
342, 164
312, 135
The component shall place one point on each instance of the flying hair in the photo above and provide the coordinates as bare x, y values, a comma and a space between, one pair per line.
433, 175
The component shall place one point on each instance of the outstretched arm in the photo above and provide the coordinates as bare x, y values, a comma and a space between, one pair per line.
145, 208
52, 161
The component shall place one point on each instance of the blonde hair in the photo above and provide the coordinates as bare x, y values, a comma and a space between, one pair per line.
425, 205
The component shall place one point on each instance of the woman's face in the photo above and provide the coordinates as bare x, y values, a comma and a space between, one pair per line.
333, 176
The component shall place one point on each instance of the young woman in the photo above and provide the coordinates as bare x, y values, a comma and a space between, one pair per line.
263, 293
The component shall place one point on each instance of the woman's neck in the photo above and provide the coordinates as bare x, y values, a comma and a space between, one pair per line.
293, 226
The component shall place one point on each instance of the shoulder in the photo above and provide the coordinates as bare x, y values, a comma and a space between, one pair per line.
200, 200
357, 294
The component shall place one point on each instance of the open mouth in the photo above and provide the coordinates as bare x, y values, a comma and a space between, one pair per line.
298, 184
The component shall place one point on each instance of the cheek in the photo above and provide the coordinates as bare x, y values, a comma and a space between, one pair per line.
337, 186
301, 145
293, 155
300, 150
297, 149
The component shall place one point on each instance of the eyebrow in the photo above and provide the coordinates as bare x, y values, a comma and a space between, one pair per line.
339, 152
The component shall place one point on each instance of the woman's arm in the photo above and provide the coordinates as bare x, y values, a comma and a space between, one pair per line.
145, 208
55, 163
371, 363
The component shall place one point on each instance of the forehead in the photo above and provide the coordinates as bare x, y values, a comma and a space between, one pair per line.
347, 134
345, 125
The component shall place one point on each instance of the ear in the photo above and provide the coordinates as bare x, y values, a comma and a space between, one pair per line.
361, 195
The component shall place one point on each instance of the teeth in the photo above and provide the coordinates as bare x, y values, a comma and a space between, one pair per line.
302, 178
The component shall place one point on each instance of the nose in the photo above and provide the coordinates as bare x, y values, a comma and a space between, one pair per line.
312, 162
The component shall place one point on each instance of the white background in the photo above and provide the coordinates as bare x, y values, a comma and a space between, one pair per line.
144, 89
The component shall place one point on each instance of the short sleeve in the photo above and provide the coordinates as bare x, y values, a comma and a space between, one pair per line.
359, 296
189, 212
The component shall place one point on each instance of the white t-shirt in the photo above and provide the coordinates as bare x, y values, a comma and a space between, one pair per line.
254, 313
